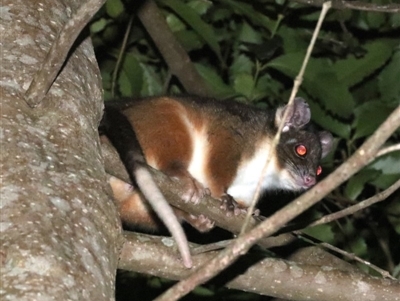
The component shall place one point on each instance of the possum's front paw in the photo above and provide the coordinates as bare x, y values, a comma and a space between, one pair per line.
201, 222
231, 207
195, 191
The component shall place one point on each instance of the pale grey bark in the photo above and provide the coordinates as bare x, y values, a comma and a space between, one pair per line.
59, 229
312, 275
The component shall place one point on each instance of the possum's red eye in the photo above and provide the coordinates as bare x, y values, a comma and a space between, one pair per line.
301, 150
319, 170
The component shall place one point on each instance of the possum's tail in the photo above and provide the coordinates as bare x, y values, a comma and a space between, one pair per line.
116, 126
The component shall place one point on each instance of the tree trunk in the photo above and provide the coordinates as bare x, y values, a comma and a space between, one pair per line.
59, 230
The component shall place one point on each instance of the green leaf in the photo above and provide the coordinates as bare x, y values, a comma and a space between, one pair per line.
200, 6
114, 8
288, 64
321, 232
328, 122
241, 64
394, 20
384, 181
369, 116
199, 26
203, 292
352, 70
124, 85
253, 15
249, 34
134, 73
389, 80
358, 246
356, 184
244, 84
375, 20
357, 243
319, 81
174, 23
293, 42
215, 82
155, 282
389, 167
106, 80
333, 95
313, 16
220, 13
99, 25
152, 84
110, 32
266, 86
189, 40
388, 164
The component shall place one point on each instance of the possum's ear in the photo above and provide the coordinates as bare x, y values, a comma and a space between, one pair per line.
326, 140
298, 115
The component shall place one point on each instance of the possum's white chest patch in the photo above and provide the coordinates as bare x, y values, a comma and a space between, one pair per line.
199, 158
245, 183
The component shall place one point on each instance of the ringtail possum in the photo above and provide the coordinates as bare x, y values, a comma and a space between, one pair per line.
216, 147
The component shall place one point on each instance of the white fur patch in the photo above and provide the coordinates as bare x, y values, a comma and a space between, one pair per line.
199, 157
245, 183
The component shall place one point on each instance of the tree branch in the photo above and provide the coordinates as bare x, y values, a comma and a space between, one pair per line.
175, 56
58, 52
360, 206
345, 254
59, 228
388, 149
355, 5
266, 276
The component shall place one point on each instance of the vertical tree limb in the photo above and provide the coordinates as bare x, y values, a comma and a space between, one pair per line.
59, 228
175, 56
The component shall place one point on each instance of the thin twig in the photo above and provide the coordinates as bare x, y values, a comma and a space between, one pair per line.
211, 247
360, 206
356, 5
58, 52
345, 254
389, 149
263, 275
121, 55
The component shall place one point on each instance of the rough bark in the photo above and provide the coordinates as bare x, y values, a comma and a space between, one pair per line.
316, 275
59, 229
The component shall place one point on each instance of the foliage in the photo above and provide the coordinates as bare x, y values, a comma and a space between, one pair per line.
252, 51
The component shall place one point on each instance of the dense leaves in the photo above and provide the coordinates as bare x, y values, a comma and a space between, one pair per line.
252, 51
